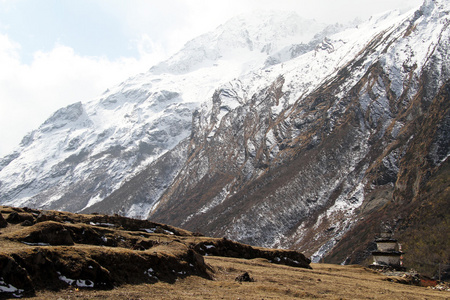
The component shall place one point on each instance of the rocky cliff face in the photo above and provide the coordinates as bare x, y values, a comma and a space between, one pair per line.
315, 153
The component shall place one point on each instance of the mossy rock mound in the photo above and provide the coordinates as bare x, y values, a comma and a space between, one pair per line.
50, 250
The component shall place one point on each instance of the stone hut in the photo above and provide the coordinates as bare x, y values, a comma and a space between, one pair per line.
388, 253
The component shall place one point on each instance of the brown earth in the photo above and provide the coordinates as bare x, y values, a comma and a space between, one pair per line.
53, 251
56, 255
323, 281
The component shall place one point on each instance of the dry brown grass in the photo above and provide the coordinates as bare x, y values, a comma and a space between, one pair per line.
109, 257
271, 282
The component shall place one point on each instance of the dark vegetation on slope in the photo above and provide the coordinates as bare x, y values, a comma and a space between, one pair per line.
419, 210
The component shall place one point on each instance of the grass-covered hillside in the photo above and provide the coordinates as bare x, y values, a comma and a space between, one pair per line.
52, 255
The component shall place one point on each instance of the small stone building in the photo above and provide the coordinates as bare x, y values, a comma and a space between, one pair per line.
388, 253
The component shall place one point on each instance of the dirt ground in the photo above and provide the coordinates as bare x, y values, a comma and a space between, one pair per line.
271, 281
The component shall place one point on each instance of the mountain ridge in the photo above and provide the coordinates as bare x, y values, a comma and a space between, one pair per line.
118, 133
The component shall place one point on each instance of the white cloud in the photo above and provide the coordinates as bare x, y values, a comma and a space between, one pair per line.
29, 94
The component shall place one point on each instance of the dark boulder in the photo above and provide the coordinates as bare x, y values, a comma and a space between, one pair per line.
19, 217
245, 277
3, 222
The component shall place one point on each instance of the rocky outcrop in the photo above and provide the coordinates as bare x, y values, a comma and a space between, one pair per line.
228, 248
58, 250
14, 279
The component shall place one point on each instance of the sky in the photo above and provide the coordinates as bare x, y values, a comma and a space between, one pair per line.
57, 52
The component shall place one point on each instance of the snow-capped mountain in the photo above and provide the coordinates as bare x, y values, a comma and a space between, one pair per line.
320, 146
268, 130
87, 150
243, 42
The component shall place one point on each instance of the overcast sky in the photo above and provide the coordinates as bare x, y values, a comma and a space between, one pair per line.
56, 52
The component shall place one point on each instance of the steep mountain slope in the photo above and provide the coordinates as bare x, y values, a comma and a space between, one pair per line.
87, 150
318, 152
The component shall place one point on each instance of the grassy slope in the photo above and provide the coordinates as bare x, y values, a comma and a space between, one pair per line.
271, 282
124, 254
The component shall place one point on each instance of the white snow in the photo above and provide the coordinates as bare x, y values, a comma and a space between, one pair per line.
102, 224
8, 288
151, 273
83, 283
154, 108
97, 198
139, 210
36, 244
168, 232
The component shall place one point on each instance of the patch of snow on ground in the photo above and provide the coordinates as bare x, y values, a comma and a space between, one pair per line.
36, 244
8, 288
151, 273
76, 282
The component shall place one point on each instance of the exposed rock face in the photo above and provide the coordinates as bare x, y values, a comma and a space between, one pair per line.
14, 280
295, 163
138, 196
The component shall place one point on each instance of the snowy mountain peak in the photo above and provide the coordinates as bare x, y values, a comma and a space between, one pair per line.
429, 6
85, 151
243, 38
266, 31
